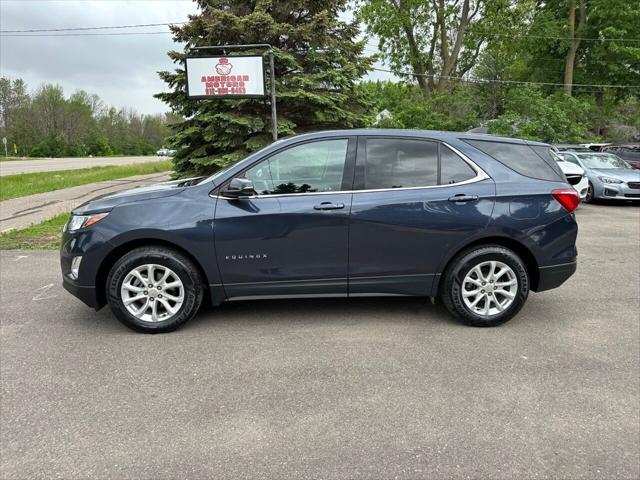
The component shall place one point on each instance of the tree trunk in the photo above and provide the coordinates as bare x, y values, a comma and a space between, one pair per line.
418, 65
450, 59
419, 68
599, 120
574, 33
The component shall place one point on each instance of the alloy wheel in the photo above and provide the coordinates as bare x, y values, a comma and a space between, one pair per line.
152, 293
489, 288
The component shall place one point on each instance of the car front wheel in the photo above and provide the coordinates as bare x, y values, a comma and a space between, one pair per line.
590, 192
154, 289
485, 286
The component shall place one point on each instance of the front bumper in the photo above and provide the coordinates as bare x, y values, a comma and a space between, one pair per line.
89, 245
553, 276
618, 191
85, 293
582, 188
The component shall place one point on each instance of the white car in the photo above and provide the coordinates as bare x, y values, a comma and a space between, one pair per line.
165, 152
571, 170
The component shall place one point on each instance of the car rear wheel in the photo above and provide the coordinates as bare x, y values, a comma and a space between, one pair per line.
485, 286
154, 289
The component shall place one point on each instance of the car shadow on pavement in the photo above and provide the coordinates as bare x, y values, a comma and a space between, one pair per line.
325, 310
328, 311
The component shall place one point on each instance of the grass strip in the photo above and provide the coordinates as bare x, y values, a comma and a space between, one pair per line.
45, 235
13, 186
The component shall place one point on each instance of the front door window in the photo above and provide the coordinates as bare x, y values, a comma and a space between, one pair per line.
308, 168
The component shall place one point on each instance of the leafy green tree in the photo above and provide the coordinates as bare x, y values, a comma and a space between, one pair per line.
558, 118
623, 120
408, 108
46, 123
438, 39
600, 48
317, 64
52, 145
14, 107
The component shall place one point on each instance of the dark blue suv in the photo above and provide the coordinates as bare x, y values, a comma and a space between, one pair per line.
475, 220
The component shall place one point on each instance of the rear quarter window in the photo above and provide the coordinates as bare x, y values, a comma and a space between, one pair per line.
522, 158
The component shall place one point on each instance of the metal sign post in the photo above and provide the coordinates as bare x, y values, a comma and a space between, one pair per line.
224, 48
4, 142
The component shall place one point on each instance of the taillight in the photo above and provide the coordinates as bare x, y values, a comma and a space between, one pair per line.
567, 197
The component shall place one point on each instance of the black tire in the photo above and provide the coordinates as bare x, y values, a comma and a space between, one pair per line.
451, 291
183, 267
590, 191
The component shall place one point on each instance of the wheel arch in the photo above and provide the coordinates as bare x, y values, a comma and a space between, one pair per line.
113, 256
519, 248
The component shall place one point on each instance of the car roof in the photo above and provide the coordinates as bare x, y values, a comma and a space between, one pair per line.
572, 147
625, 145
431, 134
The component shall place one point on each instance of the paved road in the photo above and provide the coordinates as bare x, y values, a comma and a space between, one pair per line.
24, 211
334, 389
14, 167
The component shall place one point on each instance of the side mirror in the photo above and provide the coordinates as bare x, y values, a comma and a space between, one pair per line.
239, 187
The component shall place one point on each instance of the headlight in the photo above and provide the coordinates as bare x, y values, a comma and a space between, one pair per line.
609, 180
76, 222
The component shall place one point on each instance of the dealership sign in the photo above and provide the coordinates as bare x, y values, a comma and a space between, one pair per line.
225, 77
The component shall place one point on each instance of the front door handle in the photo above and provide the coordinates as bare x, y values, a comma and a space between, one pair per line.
329, 206
461, 197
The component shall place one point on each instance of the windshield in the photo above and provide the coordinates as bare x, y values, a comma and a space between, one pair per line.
211, 178
223, 170
602, 160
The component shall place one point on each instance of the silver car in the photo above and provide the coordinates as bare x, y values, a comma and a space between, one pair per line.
609, 176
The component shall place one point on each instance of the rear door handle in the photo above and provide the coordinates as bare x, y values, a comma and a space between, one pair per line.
463, 198
329, 206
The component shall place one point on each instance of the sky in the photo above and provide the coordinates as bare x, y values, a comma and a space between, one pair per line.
120, 69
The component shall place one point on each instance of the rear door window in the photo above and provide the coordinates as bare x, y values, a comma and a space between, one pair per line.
400, 163
522, 158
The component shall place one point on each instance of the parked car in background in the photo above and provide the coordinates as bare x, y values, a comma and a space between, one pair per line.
610, 177
165, 152
596, 147
575, 176
473, 220
562, 147
629, 152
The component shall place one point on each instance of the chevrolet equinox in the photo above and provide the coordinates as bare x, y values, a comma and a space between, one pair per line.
474, 220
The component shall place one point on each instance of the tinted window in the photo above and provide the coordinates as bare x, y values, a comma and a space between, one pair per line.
396, 163
311, 167
520, 158
546, 153
453, 169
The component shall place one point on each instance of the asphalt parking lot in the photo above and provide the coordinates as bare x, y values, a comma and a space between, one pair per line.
334, 389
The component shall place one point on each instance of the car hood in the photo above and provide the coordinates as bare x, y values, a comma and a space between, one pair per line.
158, 190
624, 174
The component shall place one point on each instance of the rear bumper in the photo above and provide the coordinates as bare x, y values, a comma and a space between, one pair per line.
84, 293
555, 275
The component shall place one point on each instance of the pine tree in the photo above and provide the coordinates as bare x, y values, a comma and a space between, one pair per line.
317, 64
